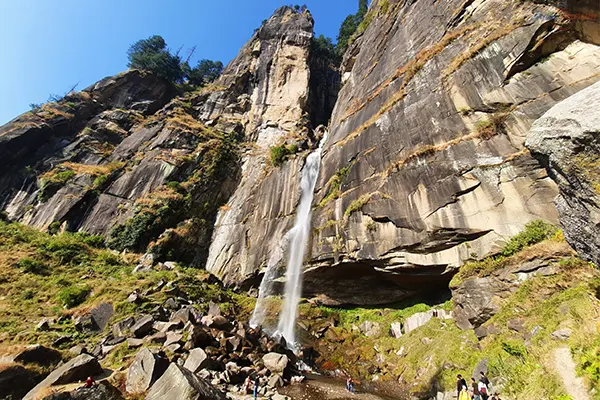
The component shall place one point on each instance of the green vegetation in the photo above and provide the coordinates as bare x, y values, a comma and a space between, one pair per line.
72, 296
357, 205
534, 232
279, 154
335, 184
153, 55
350, 25
52, 181
324, 50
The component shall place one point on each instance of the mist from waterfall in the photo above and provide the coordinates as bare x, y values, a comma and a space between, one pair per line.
297, 238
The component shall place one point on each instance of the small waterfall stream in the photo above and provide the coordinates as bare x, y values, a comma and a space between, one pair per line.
297, 238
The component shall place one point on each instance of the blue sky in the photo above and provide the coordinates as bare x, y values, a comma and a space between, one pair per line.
47, 46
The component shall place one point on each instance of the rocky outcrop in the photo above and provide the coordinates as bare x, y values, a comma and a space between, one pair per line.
425, 165
276, 107
179, 383
566, 142
144, 371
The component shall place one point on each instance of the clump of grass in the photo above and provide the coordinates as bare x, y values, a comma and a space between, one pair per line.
32, 266
279, 154
357, 205
335, 184
72, 296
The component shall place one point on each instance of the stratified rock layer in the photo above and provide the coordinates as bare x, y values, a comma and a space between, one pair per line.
425, 165
566, 140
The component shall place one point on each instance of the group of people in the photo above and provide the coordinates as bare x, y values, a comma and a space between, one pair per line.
479, 390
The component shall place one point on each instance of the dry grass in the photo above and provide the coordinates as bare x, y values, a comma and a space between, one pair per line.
498, 31
20, 125
94, 170
51, 109
407, 72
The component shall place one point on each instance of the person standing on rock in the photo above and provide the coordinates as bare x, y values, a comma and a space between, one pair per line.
475, 395
256, 387
460, 384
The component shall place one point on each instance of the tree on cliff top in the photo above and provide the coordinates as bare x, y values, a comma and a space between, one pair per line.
153, 55
350, 25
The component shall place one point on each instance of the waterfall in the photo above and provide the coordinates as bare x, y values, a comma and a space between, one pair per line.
298, 241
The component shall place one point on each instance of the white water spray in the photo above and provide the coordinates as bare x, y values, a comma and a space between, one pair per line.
298, 240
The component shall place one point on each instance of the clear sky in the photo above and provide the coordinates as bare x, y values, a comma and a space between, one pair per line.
47, 46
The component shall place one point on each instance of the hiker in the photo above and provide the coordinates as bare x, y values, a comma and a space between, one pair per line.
89, 382
349, 385
475, 395
247, 384
460, 384
484, 386
256, 387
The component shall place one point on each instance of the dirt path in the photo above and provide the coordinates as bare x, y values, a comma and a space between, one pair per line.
565, 366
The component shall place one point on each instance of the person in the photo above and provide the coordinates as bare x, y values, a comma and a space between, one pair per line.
349, 385
475, 395
496, 396
256, 387
247, 384
460, 384
89, 382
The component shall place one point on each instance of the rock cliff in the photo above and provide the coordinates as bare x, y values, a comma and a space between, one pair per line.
134, 160
425, 165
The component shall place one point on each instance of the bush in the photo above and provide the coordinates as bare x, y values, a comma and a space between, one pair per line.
205, 72
32, 266
72, 296
535, 232
89, 239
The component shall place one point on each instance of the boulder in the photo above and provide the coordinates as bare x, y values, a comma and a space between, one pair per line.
197, 360
216, 321
142, 326
370, 328
565, 141
122, 327
183, 315
145, 369
181, 384
396, 330
275, 381
77, 369
102, 391
43, 325
214, 309
417, 320
37, 354
101, 314
275, 362
16, 381
172, 338
562, 334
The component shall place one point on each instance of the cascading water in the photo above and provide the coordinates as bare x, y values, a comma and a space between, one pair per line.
298, 240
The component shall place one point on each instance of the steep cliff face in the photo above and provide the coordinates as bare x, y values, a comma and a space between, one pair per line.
425, 165
287, 97
131, 159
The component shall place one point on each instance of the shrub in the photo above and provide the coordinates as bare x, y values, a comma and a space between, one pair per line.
89, 239
281, 153
100, 181
205, 72
153, 55
52, 181
65, 248
32, 266
72, 296
535, 232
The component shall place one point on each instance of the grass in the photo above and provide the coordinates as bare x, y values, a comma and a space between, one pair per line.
334, 184
547, 238
279, 154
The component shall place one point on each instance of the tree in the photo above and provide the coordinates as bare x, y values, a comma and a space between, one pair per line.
350, 25
153, 55
206, 71
323, 49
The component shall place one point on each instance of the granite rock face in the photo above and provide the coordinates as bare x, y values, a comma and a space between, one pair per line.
425, 164
566, 140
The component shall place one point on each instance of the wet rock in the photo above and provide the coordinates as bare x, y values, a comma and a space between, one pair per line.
145, 369
275, 362
78, 368
181, 384
142, 326
197, 360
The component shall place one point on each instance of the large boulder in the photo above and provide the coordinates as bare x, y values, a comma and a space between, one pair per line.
16, 381
77, 369
37, 354
196, 361
181, 384
275, 362
102, 391
566, 140
144, 371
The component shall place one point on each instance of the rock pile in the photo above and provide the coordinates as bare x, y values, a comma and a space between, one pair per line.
180, 353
